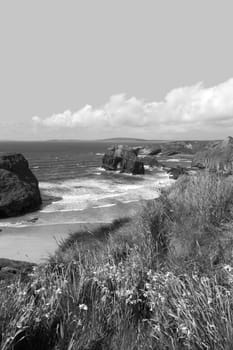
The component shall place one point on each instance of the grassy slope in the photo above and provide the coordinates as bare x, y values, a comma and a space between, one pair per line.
158, 281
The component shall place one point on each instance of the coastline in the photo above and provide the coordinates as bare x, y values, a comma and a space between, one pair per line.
36, 242
73, 205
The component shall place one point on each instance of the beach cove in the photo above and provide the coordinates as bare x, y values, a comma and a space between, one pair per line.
77, 194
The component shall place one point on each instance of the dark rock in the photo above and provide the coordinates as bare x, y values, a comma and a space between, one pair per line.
155, 151
176, 147
218, 157
176, 172
124, 159
151, 161
170, 153
149, 151
10, 269
19, 190
33, 220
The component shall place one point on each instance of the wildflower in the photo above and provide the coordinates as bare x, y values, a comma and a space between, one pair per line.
22, 293
228, 268
157, 328
19, 325
58, 291
147, 285
184, 330
83, 307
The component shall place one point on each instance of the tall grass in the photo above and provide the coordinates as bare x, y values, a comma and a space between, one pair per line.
124, 288
189, 218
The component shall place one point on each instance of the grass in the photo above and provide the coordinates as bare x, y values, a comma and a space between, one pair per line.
161, 280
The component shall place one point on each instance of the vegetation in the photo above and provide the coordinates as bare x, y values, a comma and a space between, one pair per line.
163, 280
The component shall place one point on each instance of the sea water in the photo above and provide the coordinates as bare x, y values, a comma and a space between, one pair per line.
75, 188
77, 195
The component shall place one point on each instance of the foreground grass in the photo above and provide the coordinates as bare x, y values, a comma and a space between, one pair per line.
163, 280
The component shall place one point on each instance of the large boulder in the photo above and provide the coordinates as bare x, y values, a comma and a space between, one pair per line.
216, 157
10, 269
19, 190
123, 158
176, 172
149, 151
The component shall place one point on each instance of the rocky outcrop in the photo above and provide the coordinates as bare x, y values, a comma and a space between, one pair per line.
19, 190
216, 157
10, 269
151, 161
123, 158
149, 151
177, 147
176, 172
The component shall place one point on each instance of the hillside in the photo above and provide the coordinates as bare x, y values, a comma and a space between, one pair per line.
156, 281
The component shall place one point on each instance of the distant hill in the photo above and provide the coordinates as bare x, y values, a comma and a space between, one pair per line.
123, 139
114, 139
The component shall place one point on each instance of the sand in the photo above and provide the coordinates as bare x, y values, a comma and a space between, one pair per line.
36, 243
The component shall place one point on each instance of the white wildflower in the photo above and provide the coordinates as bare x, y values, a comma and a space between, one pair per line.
83, 307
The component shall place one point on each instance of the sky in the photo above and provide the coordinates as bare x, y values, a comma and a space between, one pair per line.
88, 69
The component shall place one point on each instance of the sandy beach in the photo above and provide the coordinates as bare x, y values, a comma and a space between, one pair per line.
36, 241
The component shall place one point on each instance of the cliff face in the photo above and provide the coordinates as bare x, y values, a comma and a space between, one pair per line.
19, 190
217, 157
124, 159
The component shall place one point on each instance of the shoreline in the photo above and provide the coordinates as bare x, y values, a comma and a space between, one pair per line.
35, 242
35, 236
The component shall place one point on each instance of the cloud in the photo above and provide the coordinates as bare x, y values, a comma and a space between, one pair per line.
182, 110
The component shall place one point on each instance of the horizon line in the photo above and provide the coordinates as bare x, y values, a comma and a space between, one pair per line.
111, 139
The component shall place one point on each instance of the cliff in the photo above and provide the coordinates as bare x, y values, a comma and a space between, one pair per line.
124, 159
19, 190
216, 157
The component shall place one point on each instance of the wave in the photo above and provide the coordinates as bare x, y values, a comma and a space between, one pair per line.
14, 224
9, 224
55, 210
101, 189
105, 205
90, 197
130, 201
173, 160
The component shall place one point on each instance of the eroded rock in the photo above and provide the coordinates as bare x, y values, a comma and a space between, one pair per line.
19, 190
124, 159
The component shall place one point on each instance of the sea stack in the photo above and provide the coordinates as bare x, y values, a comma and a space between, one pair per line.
123, 158
216, 157
19, 190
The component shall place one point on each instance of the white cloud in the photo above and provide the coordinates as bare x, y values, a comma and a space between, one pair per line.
183, 109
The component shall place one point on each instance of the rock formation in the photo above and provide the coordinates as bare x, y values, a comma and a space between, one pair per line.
176, 147
216, 157
124, 159
176, 172
10, 269
19, 191
149, 151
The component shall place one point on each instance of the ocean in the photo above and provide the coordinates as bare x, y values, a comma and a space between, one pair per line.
75, 189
